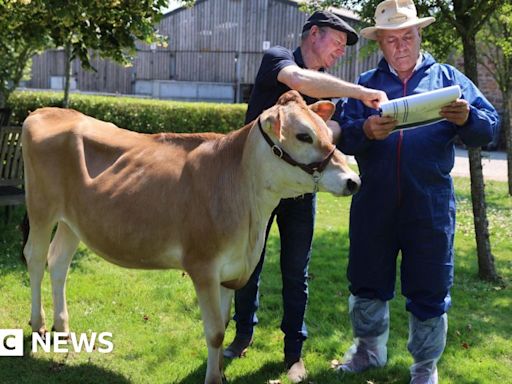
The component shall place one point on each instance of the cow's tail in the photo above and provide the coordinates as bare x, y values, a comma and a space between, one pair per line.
25, 229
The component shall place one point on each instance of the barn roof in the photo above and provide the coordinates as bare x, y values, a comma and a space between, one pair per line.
346, 13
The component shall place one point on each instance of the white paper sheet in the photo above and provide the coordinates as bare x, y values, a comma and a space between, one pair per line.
421, 109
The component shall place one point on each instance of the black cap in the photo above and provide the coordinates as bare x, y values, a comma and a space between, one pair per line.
329, 19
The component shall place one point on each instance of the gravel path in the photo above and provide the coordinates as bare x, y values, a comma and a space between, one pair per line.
494, 164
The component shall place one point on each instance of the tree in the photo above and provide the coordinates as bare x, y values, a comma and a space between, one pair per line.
466, 18
19, 41
495, 41
108, 28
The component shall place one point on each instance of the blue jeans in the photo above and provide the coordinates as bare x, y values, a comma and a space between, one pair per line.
295, 219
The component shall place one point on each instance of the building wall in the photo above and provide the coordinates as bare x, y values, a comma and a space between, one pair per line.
489, 88
224, 40
216, 41
109, 76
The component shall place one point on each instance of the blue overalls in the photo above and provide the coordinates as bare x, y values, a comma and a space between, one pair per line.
406, 204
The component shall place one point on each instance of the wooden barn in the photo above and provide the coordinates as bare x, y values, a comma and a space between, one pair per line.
213, 53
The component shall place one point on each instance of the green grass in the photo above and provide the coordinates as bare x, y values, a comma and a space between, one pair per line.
158, 336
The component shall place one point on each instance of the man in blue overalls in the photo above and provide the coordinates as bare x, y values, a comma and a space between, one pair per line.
324, 37
406, 202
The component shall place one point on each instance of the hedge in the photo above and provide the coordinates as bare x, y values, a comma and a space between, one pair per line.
136, 114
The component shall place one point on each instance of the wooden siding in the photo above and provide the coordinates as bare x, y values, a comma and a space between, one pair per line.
50, 63
214, 41
109, 77
152, 65
207, 39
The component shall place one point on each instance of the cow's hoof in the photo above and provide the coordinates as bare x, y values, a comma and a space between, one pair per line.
42, 333
42, 329
68, 336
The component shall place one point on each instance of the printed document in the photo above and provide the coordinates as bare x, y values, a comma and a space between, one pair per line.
421, 109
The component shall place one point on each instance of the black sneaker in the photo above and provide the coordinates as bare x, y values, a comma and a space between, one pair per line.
238, 347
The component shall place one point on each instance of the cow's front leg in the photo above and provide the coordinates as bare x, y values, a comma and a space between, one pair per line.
209, 296
226, 298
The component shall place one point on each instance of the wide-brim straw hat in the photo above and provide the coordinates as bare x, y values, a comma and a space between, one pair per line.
395, 14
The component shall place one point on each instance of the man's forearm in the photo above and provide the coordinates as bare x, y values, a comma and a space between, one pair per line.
319, 85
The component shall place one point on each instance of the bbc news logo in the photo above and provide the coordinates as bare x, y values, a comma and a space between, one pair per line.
11, 342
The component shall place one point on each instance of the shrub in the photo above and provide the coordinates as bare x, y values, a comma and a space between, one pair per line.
136, 114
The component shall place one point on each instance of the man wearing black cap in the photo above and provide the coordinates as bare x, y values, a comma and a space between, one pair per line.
324, 37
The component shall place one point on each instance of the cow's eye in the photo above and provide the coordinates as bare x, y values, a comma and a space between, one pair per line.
304, 137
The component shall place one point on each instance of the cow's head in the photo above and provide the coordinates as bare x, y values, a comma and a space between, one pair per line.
298, 137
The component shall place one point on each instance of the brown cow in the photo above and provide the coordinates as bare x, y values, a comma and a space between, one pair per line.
197, 202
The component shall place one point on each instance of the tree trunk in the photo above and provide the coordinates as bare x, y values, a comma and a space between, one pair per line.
486, 268
67, 75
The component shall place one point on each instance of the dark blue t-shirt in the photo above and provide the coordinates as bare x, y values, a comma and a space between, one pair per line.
267, 89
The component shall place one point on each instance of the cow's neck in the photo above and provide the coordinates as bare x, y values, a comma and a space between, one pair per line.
265, 192
241, 185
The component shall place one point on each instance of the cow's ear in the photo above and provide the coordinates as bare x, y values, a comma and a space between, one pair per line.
324, 109
271, 121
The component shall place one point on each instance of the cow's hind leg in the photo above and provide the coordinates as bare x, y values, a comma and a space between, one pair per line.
36, 253
209, 298
62, 249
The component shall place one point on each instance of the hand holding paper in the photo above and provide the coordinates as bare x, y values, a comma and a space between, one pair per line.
456, 112
424, 108
378, 127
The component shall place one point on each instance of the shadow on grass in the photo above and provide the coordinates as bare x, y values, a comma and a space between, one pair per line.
265, 373
480, 309
390, 374
396, 374
31, 370
327, 283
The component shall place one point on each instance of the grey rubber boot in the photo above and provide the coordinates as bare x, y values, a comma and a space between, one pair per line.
370, 324
427, 340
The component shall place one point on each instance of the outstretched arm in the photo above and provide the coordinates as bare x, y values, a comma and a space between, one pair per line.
319, 85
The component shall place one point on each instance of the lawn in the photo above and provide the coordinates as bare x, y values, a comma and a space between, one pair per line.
158, 336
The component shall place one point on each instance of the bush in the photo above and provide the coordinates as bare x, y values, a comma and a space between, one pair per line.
141, 115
